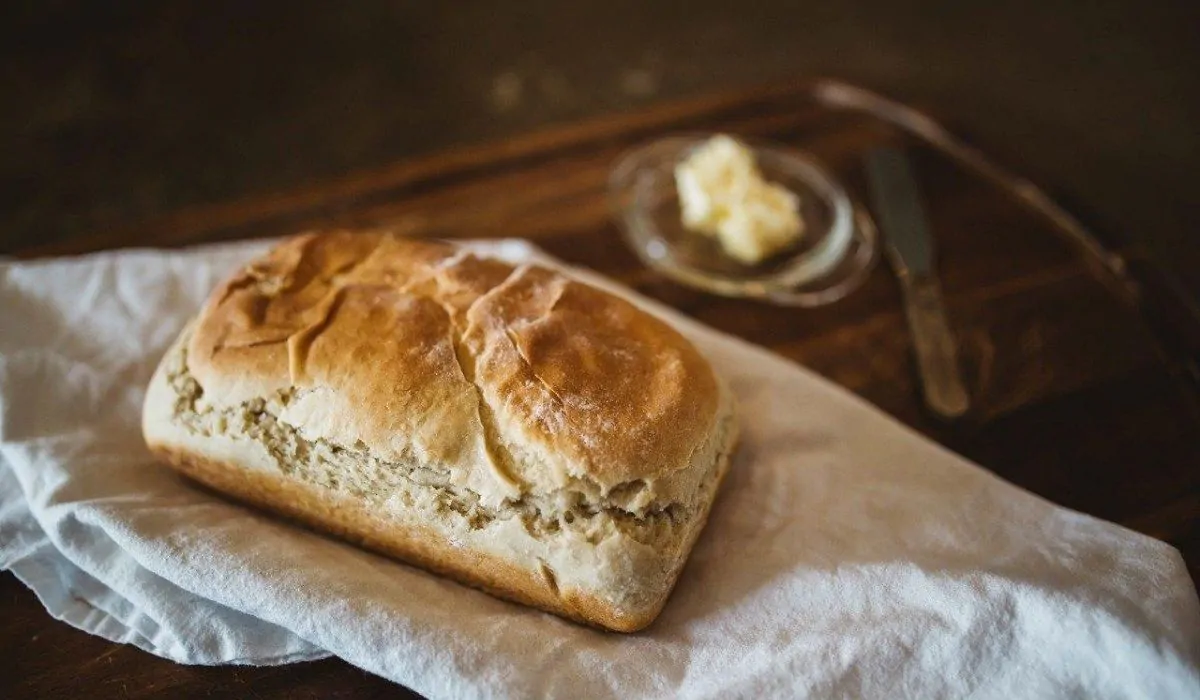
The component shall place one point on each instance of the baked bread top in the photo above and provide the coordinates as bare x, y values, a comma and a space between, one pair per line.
515, 380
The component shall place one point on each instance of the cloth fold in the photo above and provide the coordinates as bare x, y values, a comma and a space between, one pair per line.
846, 555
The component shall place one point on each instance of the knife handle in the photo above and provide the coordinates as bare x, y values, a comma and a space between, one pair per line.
937, 356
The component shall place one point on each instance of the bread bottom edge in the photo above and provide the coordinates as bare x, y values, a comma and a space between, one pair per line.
352, 521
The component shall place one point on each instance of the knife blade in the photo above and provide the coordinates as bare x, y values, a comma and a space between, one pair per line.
896, 199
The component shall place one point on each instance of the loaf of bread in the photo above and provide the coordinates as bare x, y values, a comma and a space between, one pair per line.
504, 426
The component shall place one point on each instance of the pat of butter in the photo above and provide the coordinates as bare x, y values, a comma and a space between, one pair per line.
723, 194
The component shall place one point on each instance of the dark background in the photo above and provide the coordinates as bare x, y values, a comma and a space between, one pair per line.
116, 112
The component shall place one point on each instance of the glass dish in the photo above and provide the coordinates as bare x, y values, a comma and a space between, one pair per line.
837, 250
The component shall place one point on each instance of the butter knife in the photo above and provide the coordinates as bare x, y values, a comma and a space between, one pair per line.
896, 200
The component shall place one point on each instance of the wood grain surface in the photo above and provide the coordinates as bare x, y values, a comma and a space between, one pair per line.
1081, 377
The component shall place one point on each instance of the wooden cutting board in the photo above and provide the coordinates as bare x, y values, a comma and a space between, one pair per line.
1081, 362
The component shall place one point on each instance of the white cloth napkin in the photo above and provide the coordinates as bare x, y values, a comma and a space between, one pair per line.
845, 557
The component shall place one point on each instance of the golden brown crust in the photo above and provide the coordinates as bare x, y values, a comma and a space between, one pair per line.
412, 346
351, 520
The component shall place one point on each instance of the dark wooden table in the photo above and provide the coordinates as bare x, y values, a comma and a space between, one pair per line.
1081, 367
